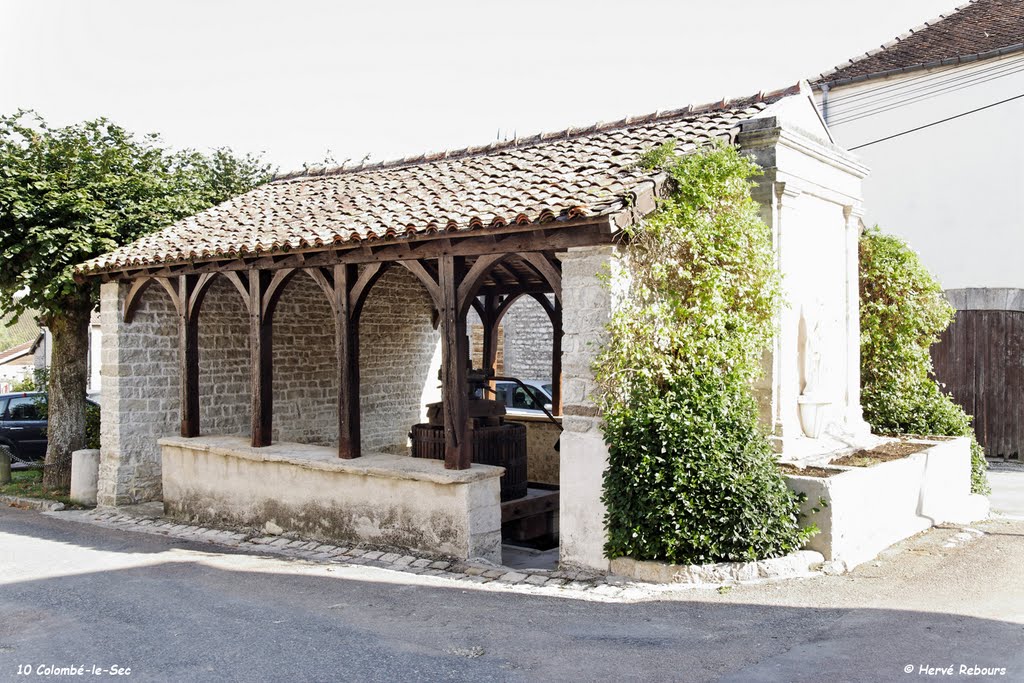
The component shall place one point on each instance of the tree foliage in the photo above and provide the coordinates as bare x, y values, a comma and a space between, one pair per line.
691, 475
70, 194
902, 313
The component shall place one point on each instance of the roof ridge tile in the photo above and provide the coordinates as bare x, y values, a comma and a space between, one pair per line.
582, 173
996, 16
565, 133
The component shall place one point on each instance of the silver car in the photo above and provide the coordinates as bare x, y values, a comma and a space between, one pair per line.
519, 401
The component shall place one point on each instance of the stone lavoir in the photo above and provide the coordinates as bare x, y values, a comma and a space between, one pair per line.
264, 360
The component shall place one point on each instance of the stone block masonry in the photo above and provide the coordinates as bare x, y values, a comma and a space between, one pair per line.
587, 305
305, 366
399, 359
139, 396
224, 384
386, 499
527, 340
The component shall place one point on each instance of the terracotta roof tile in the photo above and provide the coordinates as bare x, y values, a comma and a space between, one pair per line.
569, 174
980, 26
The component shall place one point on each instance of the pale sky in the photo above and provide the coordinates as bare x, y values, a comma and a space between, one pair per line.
293, 79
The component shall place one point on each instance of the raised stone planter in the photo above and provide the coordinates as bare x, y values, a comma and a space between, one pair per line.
802, 563
385, 499
863, 510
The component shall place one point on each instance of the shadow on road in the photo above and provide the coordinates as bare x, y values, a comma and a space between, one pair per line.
207, 614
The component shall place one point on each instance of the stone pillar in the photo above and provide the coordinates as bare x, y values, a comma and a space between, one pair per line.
85, 469
776, 394
139, 393
810, 197
587, 303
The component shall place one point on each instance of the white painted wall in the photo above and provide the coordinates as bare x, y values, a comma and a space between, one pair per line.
94, 381
954, 191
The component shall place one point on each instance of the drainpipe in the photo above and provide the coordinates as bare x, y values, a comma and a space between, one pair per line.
824, 102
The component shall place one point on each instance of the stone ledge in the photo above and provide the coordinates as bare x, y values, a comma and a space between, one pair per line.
516, 417
32, 503
800, 563
324, 458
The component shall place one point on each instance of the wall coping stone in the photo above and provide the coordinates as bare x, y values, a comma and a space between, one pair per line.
532, 418
325, 458
986, 298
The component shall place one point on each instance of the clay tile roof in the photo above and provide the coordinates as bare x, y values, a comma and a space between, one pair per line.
978, 28
19, 351
572, 174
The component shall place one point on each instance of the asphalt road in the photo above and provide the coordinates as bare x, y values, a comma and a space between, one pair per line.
1007, 481
78, 595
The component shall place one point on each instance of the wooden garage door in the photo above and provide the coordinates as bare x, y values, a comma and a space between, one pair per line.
980, 359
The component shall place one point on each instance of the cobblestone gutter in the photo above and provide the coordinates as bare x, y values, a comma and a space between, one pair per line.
579, 584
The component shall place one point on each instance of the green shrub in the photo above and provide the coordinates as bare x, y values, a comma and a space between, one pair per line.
902, 313
691, 476
37, 381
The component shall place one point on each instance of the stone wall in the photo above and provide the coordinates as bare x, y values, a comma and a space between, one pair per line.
379, 498
528, 339
140, 394
399, 358
305, 366
542, 456
224, 385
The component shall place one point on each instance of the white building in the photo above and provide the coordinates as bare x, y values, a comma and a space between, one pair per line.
935, 114
43, 351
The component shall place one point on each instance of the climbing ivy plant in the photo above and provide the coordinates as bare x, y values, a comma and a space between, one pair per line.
902, 313
691, 475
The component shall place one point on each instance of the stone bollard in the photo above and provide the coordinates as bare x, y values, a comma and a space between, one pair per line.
85, 475
5, 466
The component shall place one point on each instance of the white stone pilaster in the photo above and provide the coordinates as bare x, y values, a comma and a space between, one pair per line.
854, 415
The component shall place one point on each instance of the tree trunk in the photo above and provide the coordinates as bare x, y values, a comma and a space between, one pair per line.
65, 430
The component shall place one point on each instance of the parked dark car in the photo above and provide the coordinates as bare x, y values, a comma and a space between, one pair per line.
23, 425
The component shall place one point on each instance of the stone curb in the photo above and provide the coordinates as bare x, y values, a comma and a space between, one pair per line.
32, 503
565, 582
794, 565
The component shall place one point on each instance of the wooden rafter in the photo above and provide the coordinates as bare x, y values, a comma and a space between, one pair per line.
363, 284
457, 244
326, 284
425, 278
544, 267
473, 280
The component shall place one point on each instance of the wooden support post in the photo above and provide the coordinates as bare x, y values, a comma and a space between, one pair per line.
454, 388
261, 335
489, 321
188, 356
556, 359
346, 337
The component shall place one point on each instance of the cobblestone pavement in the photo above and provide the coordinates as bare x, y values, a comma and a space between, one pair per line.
147, 519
